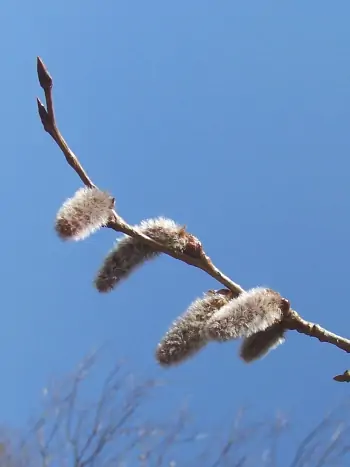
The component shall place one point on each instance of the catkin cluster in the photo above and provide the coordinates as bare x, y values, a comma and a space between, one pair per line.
256, 316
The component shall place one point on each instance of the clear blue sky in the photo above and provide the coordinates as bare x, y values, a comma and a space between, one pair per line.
230, 117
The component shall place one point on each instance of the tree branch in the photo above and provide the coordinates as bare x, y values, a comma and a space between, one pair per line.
293, 321
116, 223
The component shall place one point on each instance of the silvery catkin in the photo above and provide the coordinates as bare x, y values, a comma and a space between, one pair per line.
130, 252
259, 344
185, 336
249, 313
80, 216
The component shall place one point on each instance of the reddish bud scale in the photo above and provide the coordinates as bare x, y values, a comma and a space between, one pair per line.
193, 247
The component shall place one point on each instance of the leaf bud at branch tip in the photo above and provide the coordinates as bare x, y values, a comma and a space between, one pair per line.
44, 76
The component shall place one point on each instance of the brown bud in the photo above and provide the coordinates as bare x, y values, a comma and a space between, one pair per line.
344, 378
44, 116
44, 76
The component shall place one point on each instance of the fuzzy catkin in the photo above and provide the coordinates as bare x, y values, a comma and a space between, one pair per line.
80, 216
261, 343
130, 252
185, 336
249, 313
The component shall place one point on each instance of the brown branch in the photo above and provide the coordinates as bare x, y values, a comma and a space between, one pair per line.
293, 321
48, 120
116, 223
343, 378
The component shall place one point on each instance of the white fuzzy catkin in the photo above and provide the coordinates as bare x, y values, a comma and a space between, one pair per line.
80, 216
249, 313
129, 252
185, 336
259, 344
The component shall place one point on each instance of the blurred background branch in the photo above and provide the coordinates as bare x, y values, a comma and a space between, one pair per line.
71, 431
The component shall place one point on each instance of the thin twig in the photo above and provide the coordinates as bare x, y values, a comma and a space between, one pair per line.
49, 122
105, 395
293, 320
296, 323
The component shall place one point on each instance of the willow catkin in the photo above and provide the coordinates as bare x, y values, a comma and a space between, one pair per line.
130, 252
249, 313
185, 336
259, 344
80, 216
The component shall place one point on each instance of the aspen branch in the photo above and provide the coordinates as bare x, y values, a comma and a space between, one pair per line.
292, 320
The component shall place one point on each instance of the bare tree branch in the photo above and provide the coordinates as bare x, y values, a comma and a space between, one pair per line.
293, 321
121, 437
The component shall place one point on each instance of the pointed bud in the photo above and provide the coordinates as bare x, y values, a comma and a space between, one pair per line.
259, 344
344, 378
44, 116
129, 253
44, 76
249, 313
80, 216
186, 337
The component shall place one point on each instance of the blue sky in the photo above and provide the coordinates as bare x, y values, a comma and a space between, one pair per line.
230, 117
